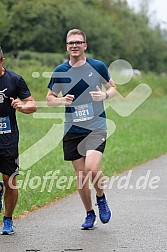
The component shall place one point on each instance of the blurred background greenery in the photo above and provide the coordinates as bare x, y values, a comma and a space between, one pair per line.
113, 29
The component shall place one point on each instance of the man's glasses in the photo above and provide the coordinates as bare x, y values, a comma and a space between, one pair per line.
77, 43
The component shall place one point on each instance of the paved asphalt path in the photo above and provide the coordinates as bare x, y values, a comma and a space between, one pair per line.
139, 222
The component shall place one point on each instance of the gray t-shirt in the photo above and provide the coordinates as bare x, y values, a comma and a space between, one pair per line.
83, 114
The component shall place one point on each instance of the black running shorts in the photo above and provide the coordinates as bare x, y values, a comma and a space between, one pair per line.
76, 145
9, 161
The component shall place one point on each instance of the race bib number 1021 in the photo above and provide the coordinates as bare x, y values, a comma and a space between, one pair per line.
83, 113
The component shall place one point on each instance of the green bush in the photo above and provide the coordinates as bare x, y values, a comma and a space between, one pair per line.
49, 59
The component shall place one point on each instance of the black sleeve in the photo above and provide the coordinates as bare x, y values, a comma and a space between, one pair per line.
23, 90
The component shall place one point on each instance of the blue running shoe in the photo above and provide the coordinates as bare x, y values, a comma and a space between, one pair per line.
104, 212
7, 228
1, 194
90, 221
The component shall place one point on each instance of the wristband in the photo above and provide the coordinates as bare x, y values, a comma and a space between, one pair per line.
107, 96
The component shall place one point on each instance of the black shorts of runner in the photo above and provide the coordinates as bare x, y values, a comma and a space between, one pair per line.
9, 161
76, 145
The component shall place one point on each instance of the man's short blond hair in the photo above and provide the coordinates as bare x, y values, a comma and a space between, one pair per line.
76, 31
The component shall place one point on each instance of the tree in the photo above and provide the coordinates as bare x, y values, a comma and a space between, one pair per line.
4, 22
113, 29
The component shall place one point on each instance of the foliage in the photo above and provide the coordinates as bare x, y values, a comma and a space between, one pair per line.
113, 30
4, 21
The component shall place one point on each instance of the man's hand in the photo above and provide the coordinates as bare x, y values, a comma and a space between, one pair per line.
27, 106
53, 100
68, 99
17, 104
98, 95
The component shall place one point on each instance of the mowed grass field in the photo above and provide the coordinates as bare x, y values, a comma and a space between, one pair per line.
139, 137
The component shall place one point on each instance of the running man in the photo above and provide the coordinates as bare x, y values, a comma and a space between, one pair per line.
80, 81
14, 95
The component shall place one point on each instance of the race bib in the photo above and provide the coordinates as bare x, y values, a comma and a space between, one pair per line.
5, 125
83, 113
